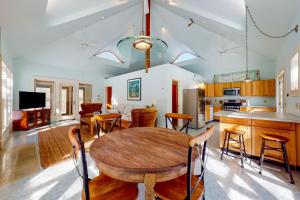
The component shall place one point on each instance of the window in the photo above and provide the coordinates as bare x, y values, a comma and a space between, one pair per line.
295, 72
7, 84
185, 56
47, 88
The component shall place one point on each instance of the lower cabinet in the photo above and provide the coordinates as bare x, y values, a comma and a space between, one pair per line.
233, 145
255, 128
290, 146
217, 109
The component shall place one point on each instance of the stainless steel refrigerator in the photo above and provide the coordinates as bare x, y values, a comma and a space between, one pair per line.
194, 104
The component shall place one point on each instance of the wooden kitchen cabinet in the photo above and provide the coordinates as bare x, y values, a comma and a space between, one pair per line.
290, 146
210, 90
258, 88
236, 84
208, 113
254, 128
270, 88
235, 146
246, 89
217, 109
227, 85
219, 90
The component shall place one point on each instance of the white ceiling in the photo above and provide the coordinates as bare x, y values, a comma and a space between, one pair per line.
53, 31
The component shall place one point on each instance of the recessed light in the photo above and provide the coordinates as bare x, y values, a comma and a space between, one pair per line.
102, 17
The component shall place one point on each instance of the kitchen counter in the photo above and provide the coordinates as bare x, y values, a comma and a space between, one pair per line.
271, 116
256, 123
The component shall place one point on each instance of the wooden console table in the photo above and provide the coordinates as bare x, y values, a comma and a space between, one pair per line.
28, 119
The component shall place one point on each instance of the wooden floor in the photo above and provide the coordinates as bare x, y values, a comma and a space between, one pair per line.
55, 146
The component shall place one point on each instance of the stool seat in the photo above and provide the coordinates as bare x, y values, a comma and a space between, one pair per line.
275, 138
235, 131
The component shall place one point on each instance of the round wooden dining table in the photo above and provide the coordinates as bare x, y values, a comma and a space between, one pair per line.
142, 155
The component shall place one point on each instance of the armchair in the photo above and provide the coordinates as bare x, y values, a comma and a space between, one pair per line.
87, 114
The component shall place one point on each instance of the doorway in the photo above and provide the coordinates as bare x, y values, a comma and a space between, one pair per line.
175, 100
281, 100
66, 102
109, 97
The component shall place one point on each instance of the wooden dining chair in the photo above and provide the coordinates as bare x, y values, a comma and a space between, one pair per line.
101, 187
188, 186
143, 117
175, 116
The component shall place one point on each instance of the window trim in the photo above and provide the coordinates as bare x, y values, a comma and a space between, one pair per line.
297, 91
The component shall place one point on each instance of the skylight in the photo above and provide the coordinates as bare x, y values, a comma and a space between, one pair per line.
109, 55
185, 57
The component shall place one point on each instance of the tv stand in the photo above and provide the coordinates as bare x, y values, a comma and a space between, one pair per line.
31, 118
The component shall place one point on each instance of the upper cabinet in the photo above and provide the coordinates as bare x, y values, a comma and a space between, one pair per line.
258, 88
210, 90
227, 85
246, 89
236, 84
269, 88
261, 88
219, 90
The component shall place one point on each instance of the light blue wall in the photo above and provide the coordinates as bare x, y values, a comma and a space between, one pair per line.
283, 63
25, 72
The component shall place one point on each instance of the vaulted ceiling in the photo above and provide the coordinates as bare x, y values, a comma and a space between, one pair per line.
68, 33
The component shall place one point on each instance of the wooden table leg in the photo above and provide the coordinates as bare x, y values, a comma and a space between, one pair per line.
149, 181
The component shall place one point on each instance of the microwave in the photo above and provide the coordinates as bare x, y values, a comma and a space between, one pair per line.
232, 92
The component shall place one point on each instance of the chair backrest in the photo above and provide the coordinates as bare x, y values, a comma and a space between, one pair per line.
197, 142
90, 108
185, 117
143, 117
78, 144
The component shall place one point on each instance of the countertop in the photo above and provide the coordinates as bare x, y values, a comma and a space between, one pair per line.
272, 116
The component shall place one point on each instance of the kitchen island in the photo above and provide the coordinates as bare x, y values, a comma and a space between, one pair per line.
257, 123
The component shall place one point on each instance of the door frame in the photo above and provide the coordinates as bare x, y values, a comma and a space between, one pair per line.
280, 76
175, 99
108, 101
74, 108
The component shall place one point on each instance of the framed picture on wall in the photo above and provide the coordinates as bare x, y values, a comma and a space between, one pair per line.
134, 89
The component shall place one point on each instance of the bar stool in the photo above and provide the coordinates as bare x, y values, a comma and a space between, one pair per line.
240, 134
282, 141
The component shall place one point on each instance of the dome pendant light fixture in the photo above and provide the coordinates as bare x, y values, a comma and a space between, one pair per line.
142, 42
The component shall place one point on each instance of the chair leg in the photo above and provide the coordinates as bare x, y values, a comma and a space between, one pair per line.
286, 160
241, 151
245, 153
262, 151
166, 122
228, 143
223, 149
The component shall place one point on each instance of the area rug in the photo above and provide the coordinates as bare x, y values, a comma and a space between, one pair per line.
54, 144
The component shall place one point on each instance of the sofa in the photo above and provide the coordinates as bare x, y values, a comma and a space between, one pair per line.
124, 110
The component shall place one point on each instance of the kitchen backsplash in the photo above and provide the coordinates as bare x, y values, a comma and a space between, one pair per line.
252, 101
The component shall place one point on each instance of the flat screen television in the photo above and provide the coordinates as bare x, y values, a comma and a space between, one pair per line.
29, 100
